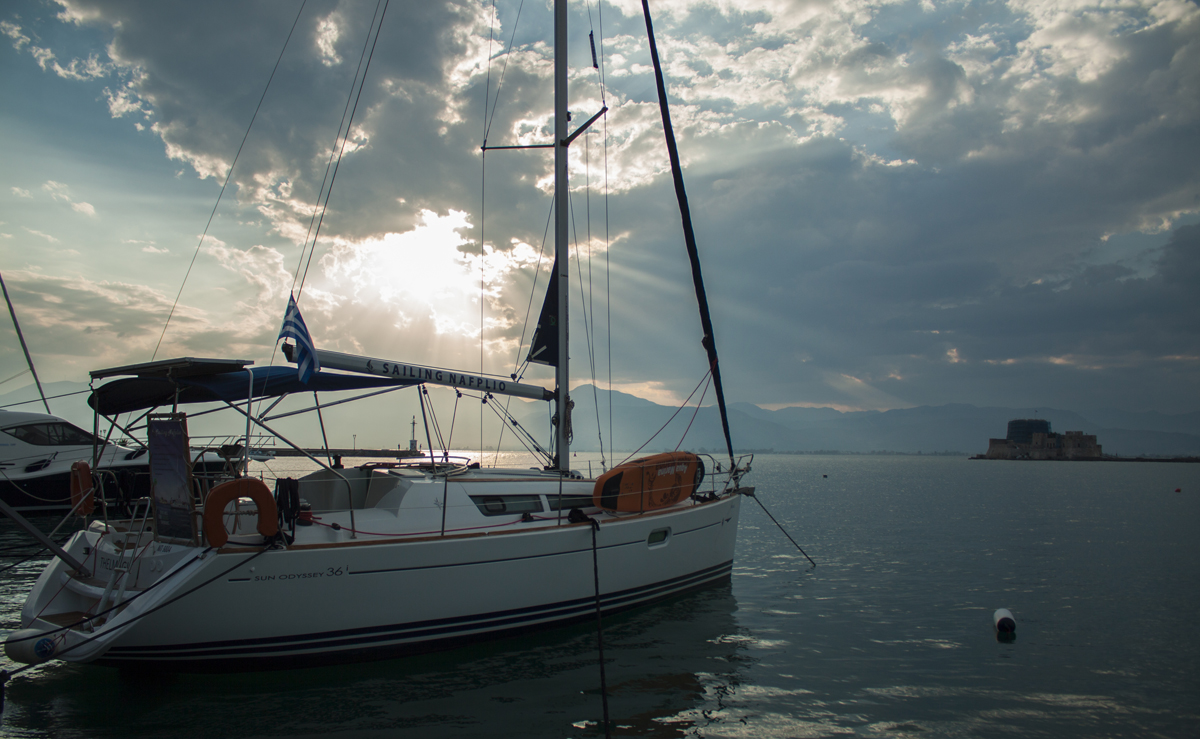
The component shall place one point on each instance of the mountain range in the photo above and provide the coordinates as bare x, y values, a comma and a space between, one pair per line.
956, 427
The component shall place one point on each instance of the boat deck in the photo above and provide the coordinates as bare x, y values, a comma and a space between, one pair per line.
66, 618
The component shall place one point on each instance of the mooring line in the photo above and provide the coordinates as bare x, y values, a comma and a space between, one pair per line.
599, 627
781, 528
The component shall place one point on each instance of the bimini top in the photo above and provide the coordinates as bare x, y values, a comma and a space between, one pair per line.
189, 380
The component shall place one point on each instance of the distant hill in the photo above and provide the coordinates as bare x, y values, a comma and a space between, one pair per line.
955, 427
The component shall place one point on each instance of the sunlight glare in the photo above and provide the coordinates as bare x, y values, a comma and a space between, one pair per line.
427, 275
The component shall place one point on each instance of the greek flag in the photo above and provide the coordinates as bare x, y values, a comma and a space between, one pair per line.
306, 353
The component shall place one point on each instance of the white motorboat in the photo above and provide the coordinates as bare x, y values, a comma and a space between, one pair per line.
38, 450
378, 560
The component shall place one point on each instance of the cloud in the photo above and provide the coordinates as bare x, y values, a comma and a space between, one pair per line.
41, 235
57, 190
327, 36
77, 69
897, 203
21, 192
83, 69
13, 31
62, 193
123, 102
149, 247
75, 324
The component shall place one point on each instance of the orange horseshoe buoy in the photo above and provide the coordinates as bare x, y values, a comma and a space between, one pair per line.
223, 494
82, 488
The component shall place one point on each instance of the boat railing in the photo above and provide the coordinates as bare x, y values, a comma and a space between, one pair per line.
719, 478
120, 489
257, 441
436, 463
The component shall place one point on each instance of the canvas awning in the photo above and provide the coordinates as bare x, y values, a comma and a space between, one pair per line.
149, 387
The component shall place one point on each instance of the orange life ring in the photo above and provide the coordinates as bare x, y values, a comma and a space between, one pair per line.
83, 488
227, 492
649, 483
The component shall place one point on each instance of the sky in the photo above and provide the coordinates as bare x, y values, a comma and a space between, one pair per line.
896, 203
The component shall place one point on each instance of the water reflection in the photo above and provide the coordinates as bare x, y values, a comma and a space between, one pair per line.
891, 635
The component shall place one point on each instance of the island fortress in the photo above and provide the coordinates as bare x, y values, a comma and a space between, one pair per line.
1031, 438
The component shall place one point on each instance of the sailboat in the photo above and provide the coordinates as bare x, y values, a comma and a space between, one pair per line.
380, 560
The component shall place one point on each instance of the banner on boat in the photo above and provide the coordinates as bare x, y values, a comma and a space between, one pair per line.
431, 375
171, 478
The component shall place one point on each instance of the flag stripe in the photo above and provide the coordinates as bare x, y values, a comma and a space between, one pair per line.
306, 352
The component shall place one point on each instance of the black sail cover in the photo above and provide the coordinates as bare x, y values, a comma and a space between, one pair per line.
543, 347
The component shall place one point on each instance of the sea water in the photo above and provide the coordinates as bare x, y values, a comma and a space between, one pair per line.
890, 635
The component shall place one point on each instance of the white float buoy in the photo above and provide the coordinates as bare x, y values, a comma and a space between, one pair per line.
1004, 621
30, 646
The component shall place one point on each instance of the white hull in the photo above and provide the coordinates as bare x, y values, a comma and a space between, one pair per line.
352, 600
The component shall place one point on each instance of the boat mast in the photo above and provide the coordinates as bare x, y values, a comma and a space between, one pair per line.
689, 236
561, 253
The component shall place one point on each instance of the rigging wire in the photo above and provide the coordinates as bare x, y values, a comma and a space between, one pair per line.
333, 151
590, 310
490, 106
320, 207
228, 177
19, 374
35, 555
48, 397
487, 88
324, 436
672, 418
490, 118
522, 434
482, 224
428, 438
695, 413
608, 292
453, 416
586, 295
437, 429
587, 156
598, 63
518, 365
24, 348
597, 60
587, 309
345, 138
